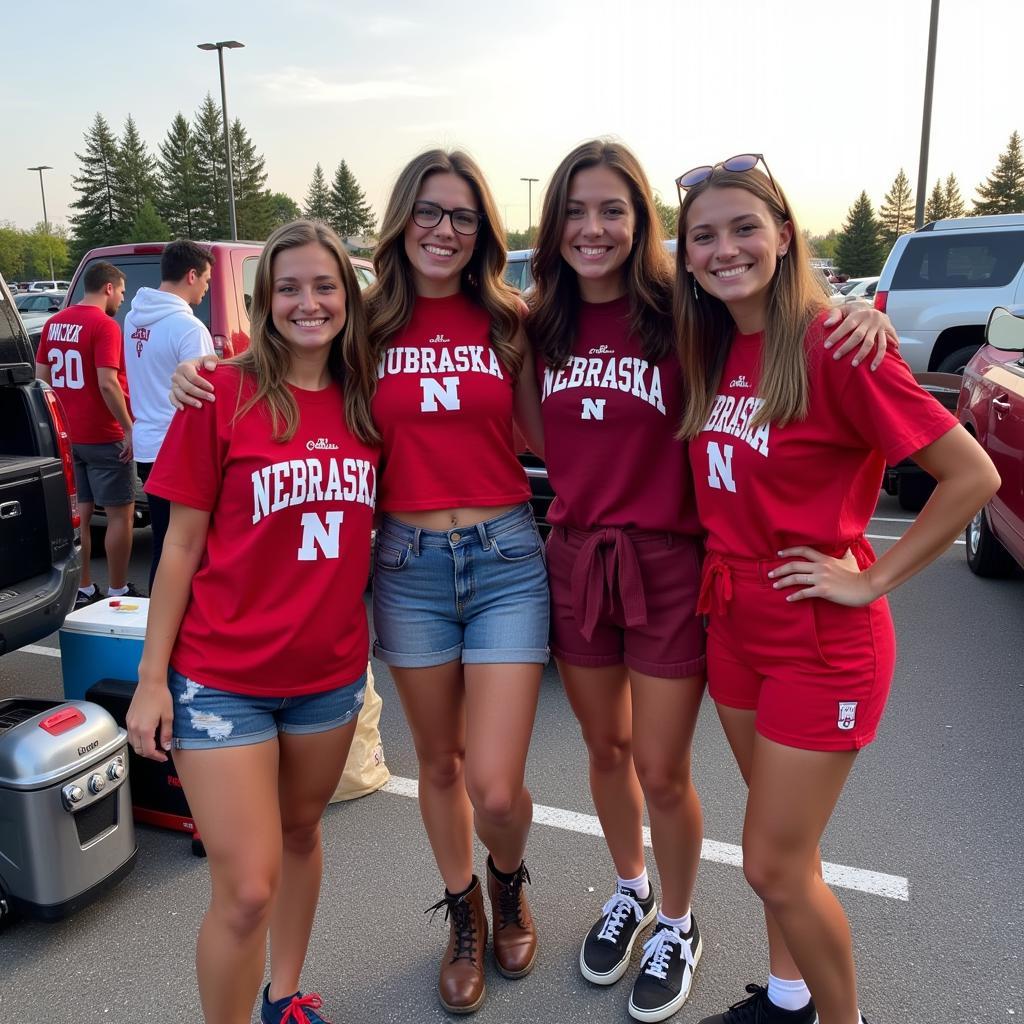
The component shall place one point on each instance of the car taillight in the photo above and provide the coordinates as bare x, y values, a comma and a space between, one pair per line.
880, 300
60, 426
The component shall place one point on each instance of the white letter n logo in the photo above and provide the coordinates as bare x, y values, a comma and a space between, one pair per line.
433, 392
593, 408
316, 535
720, 467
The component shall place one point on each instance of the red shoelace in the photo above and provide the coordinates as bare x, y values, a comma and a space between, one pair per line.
296, 1010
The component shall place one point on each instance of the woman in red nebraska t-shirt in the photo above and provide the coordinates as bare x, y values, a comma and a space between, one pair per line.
788, 451
460, 606
267, 661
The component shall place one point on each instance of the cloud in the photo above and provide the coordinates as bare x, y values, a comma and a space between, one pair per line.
297, 85
384, 25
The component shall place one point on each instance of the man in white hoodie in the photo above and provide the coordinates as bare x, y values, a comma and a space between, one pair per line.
160, 331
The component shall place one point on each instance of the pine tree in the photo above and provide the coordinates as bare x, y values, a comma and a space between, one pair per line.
1004, 190
253, 211
954, 201
148, 226
178, 200
350, 213
937, 206
211, 181
896, 214
136, 175
96, 222
318, 198
859, 251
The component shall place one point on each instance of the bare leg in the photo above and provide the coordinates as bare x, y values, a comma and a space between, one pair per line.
118, 543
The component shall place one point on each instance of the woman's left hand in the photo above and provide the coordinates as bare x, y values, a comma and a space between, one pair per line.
835, 579
861, 327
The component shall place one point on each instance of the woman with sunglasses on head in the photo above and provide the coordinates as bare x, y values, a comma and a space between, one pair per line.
788, 451
625, 549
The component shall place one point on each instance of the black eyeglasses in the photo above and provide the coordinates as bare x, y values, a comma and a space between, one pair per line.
742, 162
429, 215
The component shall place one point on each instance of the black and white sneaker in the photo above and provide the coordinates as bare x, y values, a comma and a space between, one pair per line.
757, 1008
83, 599
666, 972
605, 953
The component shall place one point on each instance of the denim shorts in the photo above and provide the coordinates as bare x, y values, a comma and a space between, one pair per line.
205, 718
475, 593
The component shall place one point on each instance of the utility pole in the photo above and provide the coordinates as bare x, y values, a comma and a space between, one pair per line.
46, 222
926, 122
529, 201
229, 44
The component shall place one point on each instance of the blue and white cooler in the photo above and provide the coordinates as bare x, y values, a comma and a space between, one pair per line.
102, 641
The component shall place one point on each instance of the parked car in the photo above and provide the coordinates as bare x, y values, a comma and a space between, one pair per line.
48, 286
940, 283
37, 307
991, 407
40, 561
518, 272
858, 288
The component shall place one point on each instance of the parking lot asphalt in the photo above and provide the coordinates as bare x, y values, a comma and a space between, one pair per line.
926, 845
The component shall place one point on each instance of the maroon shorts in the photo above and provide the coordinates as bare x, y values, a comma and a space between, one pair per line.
626, 597
817, 673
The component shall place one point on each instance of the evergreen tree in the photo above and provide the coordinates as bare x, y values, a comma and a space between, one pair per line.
350, 213
318, 198
1004, 190
211, 181
178, 200
148, 226
896, 214
253, 211
859, 251
668, 215
954, 201
96, 222
936, 208
136, 175
282, 208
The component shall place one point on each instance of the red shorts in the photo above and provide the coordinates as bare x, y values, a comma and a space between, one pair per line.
816, 672
626, 597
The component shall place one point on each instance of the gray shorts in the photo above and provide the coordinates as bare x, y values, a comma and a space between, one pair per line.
101, 477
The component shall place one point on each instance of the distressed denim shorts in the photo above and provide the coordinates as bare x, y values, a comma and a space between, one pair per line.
207, 719
478, 594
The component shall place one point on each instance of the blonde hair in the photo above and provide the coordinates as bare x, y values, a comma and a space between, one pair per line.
268, 357
390, 299
705, 328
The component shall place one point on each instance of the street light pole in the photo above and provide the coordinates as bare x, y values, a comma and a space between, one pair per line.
529, 201
926, 124
46, 222
229, 44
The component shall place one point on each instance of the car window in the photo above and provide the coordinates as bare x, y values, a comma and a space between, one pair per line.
517, 274
364, 277
139, 272
248, 280
978, 260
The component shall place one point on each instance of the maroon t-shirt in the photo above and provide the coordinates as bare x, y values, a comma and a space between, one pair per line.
609, 424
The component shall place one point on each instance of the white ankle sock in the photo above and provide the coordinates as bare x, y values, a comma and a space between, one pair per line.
681, 924
117, 591
640, 885
787, 994
89, 590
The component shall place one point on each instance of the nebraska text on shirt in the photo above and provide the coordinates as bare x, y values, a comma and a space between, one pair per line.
298, 481
627, 374
458, 359
64, 332
730, 415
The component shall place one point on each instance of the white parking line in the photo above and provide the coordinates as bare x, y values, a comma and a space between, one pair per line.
888, 519
875, 883
885, 536
50, 652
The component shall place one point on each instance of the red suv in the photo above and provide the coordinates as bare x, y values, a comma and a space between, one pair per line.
991, 407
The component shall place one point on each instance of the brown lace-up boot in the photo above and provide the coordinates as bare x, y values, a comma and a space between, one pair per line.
461, 984
515, 937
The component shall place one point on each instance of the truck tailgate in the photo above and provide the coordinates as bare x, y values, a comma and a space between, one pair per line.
24, 532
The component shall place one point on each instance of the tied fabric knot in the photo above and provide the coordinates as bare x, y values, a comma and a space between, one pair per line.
715, 588
607, 566
295, 1012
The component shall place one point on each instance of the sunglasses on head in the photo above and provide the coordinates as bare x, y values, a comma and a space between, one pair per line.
741, 162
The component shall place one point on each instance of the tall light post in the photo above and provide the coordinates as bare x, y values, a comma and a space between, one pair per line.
46, 222
529, 201
926, 121
227, 44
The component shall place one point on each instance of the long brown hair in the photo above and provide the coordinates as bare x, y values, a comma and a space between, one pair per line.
390, 299
705, 328
268, 358
555, 300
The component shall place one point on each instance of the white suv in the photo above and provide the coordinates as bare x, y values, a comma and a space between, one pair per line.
940, 283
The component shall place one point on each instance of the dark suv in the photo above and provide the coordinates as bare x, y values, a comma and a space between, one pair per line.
40, 563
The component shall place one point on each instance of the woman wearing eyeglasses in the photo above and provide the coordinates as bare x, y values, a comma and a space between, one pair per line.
788, 451
625, 551
460, 602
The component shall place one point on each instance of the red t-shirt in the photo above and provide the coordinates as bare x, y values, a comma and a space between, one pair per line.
814, 482
609, 425
277, 601
75, 342
444, 408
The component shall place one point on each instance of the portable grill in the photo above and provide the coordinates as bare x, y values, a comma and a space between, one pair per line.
66, 831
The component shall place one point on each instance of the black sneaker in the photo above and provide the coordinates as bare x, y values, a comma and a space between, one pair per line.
759, 1009
83, 600
296, 1009
132, 591
666, 972
605, 953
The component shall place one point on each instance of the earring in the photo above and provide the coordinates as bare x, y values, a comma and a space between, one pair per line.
693, 283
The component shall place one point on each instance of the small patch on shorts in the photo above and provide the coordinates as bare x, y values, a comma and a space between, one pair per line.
214, 726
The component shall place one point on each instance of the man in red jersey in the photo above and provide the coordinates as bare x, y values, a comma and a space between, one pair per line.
80, 356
